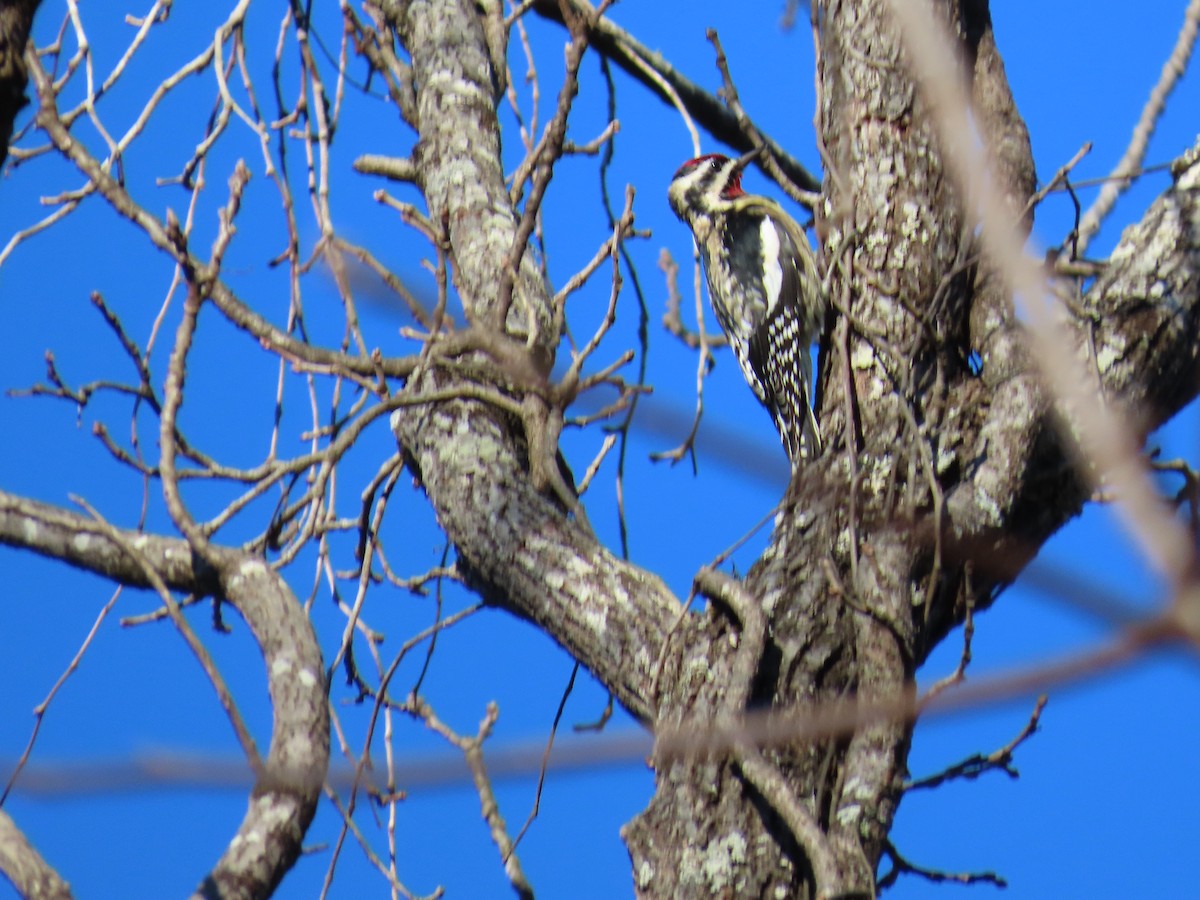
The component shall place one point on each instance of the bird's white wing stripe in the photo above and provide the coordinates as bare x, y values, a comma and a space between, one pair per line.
772, 269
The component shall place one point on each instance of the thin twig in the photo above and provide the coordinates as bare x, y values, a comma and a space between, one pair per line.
974, 766
1135, 153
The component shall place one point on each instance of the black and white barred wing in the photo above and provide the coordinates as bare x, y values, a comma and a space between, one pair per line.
779, 350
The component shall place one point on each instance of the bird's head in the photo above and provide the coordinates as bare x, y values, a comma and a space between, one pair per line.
705, 184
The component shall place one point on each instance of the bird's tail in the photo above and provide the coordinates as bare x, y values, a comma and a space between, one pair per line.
793, 413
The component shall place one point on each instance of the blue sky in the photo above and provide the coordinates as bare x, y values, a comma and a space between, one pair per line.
1111, 775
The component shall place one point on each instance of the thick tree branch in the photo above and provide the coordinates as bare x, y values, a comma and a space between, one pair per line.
520, 552
1141, 316
516, 545
941, 478
285, 797
1137, 328
30, 874
921, 447
838, 580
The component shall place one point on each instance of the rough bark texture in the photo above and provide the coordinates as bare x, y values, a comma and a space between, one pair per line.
940, 480
16, 20
891, 236
285, 797
32, 876
519, 548
939, 483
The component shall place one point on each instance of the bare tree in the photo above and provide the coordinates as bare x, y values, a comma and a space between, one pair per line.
783, 712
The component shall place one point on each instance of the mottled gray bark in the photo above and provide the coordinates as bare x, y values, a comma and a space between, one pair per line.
31, 876
287, 790
16, 21
854, 590
938, 484
517, 545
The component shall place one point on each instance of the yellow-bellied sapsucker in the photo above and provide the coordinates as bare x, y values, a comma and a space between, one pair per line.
764, 287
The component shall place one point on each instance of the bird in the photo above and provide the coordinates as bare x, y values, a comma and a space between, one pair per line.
764, 287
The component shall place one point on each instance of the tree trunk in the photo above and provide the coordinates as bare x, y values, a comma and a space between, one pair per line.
942, 475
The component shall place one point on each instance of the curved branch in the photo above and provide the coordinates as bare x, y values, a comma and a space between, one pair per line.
1145, 307
517, 547
285, 797
521, 553
30, 874
1137, 327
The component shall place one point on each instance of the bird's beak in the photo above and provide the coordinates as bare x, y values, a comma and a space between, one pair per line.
746, 158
